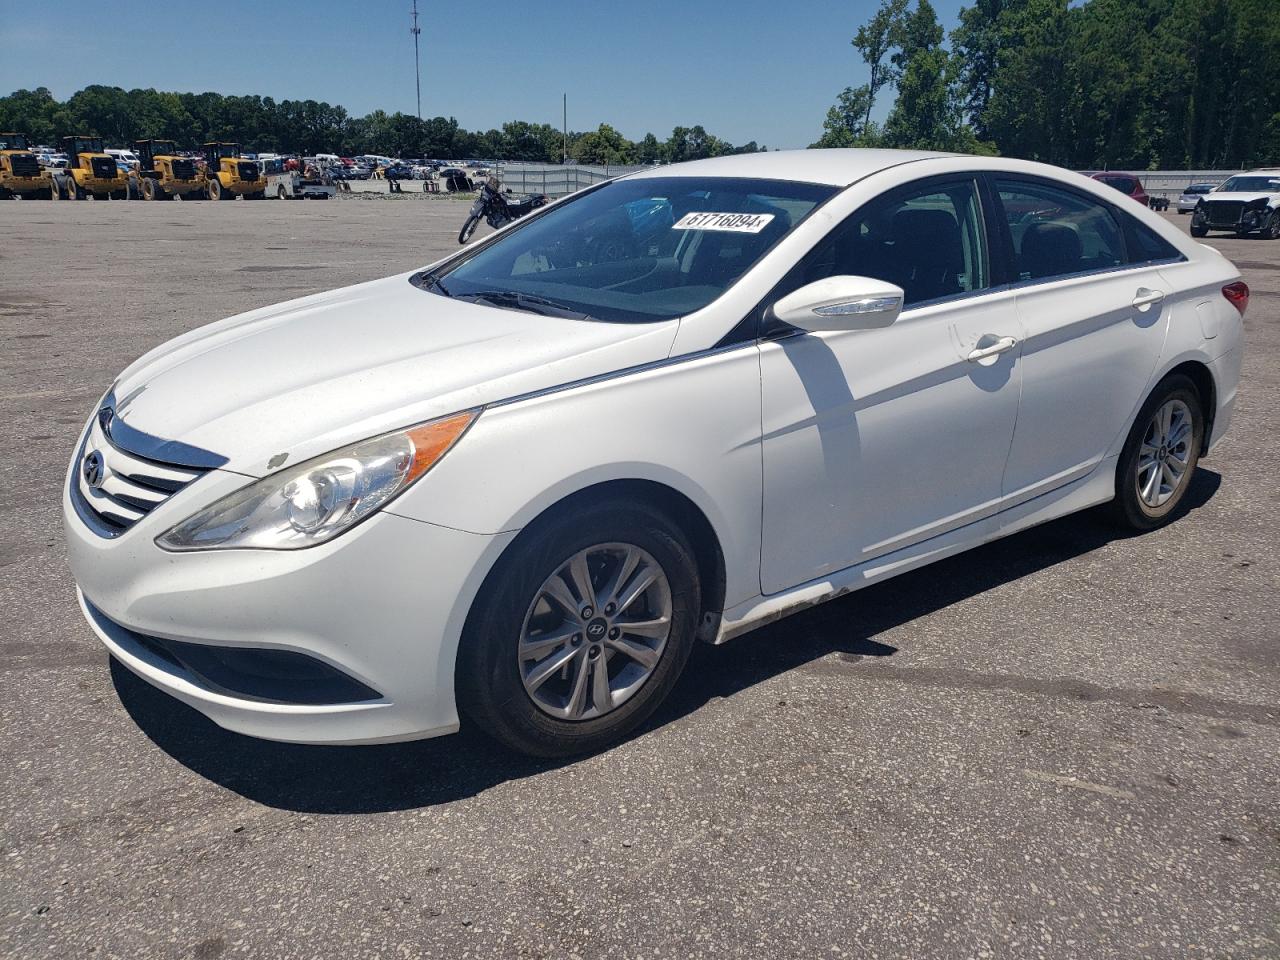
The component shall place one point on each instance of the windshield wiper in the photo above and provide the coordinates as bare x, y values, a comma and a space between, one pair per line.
525, 301
429, 281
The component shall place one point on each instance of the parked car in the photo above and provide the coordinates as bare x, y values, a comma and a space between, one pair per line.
397, 171
550, 463
1127, 183
1246, 203
1192, 195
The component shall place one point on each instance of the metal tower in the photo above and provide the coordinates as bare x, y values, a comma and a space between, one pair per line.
417, 70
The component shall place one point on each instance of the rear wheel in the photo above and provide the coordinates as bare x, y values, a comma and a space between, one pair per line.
74, 190
1272, 229
282, 193
217, 191
581, 631
1160, 455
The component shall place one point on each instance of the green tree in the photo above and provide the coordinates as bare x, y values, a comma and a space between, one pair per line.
31, 112
928, 114
604, 145
874, 40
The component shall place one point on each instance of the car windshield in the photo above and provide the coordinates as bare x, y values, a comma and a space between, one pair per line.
1199, 188
635, 250
1265, 184
13, 141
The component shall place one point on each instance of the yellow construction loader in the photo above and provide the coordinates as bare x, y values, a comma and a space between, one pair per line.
163, 175
90, 172
229, 176
20, 173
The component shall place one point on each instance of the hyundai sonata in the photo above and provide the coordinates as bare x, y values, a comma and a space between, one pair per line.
520, 484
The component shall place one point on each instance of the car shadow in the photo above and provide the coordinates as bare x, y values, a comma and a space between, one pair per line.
371, 779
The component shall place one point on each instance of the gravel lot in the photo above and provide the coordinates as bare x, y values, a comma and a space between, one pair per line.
1066, 744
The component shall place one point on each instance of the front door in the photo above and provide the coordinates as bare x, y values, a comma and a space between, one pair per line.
874, 440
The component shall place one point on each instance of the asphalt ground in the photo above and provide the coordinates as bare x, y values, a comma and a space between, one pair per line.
1065, 744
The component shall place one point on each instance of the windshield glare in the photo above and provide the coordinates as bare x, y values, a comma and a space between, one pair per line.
1251, 185
637, 251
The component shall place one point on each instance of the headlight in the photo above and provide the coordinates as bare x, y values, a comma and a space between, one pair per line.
317, 500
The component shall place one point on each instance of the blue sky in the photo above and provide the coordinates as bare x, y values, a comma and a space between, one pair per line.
758, 70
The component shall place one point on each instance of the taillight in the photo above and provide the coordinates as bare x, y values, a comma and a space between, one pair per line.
1238, 295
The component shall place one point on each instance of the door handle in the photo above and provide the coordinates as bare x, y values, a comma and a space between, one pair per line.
1003, 345
1145, 298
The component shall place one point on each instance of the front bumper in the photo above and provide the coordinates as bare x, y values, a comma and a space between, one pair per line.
383, 604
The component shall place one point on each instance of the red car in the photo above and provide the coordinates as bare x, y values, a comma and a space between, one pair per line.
1127, 183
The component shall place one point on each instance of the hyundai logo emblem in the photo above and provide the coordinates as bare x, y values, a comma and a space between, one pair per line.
596, 629
93, 469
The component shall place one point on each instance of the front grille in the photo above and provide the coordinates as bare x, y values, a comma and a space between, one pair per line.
184, 170
128, 486
104, 168
261, 674
248, 171
24, 164
1223, 211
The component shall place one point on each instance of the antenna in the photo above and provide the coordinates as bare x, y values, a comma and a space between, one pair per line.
417, 70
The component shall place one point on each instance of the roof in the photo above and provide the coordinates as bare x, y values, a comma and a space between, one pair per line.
837, 167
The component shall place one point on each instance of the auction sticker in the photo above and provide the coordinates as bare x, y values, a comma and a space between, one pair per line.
729, 222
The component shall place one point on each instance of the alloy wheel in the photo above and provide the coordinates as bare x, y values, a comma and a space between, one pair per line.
595, 631
1164, 458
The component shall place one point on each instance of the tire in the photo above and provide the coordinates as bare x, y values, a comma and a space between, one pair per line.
468, 229
1272, 230
1141, 501
149, 189
1198, 230
74, 190
216, 191
282, 193
55, 191
564, 715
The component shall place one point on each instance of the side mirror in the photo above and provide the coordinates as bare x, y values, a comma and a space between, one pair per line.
841, 303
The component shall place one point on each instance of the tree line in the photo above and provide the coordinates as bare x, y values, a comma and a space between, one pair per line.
1142, 84
262, 124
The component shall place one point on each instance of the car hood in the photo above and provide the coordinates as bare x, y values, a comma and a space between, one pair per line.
1245, 197
296, 380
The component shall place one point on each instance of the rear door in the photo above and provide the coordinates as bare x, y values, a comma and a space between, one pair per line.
1095, 314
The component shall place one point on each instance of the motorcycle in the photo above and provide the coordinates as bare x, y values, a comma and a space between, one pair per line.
494, 208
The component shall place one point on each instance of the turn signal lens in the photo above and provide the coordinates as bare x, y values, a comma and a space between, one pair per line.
317, 500
1238, 295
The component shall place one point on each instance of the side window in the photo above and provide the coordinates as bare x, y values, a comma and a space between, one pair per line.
927, 240
1057, 233
1145, 245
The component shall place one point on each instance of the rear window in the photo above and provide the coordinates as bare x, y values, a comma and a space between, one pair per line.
1123, 184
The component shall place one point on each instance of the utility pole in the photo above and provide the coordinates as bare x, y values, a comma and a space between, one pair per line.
564, 120
417, 71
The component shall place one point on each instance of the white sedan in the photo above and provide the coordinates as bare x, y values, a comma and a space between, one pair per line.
520, 484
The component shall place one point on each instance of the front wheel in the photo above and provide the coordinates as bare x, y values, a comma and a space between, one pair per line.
1272, 230
581, 630
1159, 456
1198, 229
216, 190
468, 228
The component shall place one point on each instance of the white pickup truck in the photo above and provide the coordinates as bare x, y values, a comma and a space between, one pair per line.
293, 186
